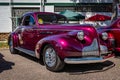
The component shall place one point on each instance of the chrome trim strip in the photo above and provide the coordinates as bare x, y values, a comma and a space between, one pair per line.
85, 60
29, 52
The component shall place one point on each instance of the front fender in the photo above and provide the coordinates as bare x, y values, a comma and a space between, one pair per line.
61, 43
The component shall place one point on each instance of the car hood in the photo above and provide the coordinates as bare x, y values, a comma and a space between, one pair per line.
66, 26
102, 29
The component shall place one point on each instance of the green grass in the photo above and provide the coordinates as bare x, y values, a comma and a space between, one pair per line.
3, 44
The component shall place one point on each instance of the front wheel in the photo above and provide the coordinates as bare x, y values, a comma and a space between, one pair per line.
11, 48
51, 59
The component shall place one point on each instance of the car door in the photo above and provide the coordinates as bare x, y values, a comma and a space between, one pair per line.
28, 31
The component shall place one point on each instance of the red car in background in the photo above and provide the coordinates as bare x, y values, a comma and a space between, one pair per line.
114, 31
48, 37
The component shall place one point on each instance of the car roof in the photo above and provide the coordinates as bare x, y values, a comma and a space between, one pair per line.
28, 13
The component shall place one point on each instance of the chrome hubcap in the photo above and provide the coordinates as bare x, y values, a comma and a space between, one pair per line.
50, 57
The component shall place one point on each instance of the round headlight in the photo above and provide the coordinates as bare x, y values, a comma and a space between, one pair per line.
80, 35
104, 36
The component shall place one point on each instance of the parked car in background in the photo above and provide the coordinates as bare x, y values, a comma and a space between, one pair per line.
48, 37
114, 30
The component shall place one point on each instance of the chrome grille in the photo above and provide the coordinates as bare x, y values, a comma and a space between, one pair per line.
92, 50
103, 49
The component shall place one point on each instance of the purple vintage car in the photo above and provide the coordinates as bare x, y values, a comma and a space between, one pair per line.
48, 37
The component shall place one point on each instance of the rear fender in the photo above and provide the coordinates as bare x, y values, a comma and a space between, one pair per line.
14, 38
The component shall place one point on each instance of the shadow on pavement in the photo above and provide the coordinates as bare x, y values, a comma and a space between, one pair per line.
76, 69
5, 65
88, 68
31, 58
118, 57
28, 56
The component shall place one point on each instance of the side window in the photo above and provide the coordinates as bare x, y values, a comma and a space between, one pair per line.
28, 21
32, 21
20, 21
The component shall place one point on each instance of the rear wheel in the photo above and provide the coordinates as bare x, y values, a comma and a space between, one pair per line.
51, 59
11, 48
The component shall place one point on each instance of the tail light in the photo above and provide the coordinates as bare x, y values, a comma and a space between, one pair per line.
110, 36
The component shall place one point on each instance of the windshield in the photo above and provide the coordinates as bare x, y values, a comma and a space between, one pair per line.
51, 19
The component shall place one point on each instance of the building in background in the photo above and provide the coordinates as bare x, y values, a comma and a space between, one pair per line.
11, 10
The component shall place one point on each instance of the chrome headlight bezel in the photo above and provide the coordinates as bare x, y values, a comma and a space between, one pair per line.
104, 35
80, 35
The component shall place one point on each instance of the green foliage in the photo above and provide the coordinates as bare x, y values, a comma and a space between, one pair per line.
3, 45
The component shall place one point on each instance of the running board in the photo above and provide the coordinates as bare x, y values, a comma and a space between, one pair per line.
26, 51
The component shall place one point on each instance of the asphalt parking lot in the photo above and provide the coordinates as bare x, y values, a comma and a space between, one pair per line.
24, 67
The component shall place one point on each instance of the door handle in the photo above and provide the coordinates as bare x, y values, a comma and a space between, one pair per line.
46, 32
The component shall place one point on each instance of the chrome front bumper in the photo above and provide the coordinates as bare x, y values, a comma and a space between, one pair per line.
84, 60
91, 54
